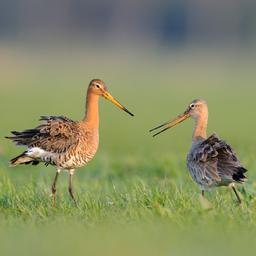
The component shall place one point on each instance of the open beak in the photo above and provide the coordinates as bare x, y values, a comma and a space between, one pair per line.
171, 124
109, 97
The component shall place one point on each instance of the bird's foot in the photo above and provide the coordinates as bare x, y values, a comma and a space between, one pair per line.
76, 204
53, 196
205, 204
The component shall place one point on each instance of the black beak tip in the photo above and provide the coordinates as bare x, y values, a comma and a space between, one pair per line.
127, 111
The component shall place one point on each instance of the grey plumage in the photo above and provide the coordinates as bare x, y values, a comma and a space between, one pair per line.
211, 162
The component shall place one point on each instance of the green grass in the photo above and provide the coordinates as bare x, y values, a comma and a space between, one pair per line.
136, 197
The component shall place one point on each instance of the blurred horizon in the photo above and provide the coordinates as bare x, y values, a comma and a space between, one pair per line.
175, 23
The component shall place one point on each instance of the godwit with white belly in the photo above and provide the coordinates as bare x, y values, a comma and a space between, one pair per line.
62, 142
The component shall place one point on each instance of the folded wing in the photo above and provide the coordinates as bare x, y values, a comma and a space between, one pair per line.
56, 134
215, 163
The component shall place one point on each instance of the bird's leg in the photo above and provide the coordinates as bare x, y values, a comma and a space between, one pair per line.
54, 190
70, 186
205, 204
237, 196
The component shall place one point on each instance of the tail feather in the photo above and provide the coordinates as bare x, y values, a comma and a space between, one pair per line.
239, 175
23, 159
24, 138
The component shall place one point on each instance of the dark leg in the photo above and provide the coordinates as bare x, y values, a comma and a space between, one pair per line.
205, 204
237, 196
70, 187
54, 190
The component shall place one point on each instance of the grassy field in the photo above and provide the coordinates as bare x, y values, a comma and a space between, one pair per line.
136, 197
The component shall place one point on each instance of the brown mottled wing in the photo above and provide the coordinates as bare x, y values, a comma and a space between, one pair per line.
57, 134
217, 162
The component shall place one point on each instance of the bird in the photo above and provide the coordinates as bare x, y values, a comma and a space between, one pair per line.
62, 142
211, 161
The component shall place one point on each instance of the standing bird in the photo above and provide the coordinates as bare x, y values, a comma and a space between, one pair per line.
211, 162
64, 143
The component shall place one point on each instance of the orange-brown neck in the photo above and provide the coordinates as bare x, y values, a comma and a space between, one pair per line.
200, 131
92, 110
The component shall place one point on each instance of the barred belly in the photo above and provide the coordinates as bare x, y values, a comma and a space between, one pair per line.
75, 161
66, 161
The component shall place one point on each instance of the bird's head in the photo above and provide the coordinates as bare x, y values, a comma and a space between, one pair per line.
98, 87
196, 109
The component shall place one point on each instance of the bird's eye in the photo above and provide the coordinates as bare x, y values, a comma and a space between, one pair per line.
192, 106
98, 86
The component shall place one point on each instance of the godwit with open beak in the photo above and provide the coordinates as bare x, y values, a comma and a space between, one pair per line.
211, 162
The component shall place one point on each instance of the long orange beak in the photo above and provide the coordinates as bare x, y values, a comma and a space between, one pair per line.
171, 124
109, 97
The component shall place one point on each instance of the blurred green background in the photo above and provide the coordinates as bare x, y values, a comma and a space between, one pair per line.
136, 197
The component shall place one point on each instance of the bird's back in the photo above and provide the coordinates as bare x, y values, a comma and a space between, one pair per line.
212, 162
58, 141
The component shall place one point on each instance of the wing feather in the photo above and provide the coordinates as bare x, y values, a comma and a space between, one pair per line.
216, 162
56, 134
